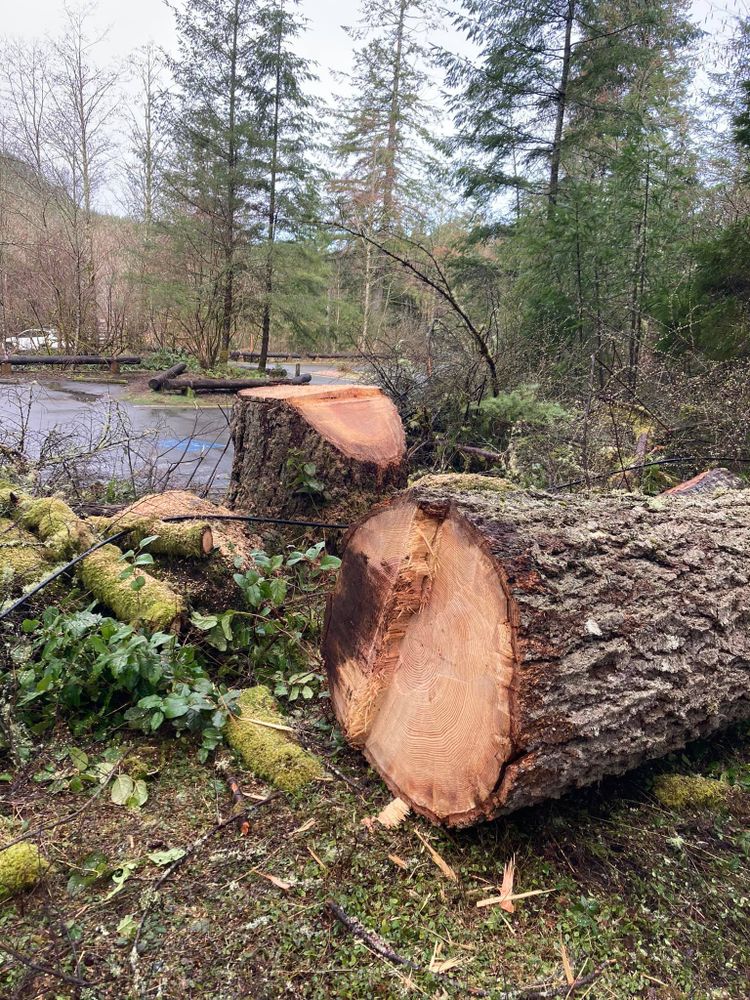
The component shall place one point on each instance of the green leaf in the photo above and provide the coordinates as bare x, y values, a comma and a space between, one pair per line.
147, 541
174, 706
164, 858
204, 622
140, 795
29, 625
79, 758
122, 789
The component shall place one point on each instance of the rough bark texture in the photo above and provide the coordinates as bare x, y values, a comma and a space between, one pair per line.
352, 435
620, 630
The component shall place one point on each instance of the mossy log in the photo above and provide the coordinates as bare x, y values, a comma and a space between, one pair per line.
65, 535
23, 558
351, 435
188, 539
155, 605
490, 649
267, 751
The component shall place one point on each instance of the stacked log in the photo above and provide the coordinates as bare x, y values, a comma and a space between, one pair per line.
488, 649
334, 449
68, 359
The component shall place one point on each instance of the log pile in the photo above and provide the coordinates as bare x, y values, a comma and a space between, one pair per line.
488, 649
158, 381
67, 359
337, 449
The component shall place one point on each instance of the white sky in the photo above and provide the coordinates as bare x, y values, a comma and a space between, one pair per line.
129, 24
133, 23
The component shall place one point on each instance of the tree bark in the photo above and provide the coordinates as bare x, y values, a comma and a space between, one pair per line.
562, 103
350, 438
490, 649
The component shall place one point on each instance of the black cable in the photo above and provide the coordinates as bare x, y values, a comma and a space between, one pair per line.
178, 517
253, 519
59, 572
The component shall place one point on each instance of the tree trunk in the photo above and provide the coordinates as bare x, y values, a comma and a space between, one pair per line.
329, 450
490, 649
158, 381
230, 384
561, 99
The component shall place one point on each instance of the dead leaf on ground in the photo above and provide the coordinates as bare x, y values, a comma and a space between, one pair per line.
442, 864
278, 882
398, 861
303, 829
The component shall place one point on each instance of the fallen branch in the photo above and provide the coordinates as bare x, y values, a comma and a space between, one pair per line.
46, 970
381, 948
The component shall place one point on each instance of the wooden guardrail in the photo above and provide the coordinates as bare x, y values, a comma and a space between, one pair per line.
9, 361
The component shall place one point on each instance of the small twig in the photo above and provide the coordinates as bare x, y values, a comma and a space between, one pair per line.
45, 970
66, 819
240, 806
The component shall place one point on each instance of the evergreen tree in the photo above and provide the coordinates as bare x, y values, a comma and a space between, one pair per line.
213, 116
285, 132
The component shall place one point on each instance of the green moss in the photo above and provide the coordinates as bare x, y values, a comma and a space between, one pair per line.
467, 482
21, 867
22, 559
63, 533
173, 539
155, 604
678, 791
270, 753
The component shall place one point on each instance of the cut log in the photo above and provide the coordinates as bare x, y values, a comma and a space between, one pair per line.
708, 482
187, 540
489, 649
339, 448
157, 382
230, 385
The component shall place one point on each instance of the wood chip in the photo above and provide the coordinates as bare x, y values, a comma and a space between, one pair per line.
303, 829
278, 882
506, 889
316, 859
567, 965
442, 864
499, 900
394, 814
398, 861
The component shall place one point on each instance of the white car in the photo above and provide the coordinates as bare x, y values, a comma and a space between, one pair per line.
38, 339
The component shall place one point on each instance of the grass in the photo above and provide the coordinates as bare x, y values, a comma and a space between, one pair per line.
659, 899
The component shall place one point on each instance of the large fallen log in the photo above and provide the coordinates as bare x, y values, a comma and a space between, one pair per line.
489, 649
708, 482
185, 540
337, 448
230, 385
157, 382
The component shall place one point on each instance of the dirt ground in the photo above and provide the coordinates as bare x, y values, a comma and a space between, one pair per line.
639, 900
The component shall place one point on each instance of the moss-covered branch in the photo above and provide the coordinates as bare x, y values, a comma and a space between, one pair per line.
268, 751
191, 540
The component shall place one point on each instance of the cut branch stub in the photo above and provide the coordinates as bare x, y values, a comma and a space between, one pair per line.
489, 649
352, 435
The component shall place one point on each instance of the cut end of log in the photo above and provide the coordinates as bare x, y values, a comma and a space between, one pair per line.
420, 654
359, 421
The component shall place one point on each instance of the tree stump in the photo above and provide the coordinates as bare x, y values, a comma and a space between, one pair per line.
489, 649
331, 451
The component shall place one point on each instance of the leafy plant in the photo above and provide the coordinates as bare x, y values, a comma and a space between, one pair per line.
302, 477
275, 628
135, 560
88, 669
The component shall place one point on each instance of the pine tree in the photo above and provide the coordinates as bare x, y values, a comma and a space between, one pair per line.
213, 121
285, 130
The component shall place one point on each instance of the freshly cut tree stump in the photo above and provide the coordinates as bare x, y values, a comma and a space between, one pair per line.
489, 649
351, 435
708, 482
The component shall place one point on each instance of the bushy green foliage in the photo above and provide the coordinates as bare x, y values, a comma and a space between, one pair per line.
497, 415
272, 636
87, 669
